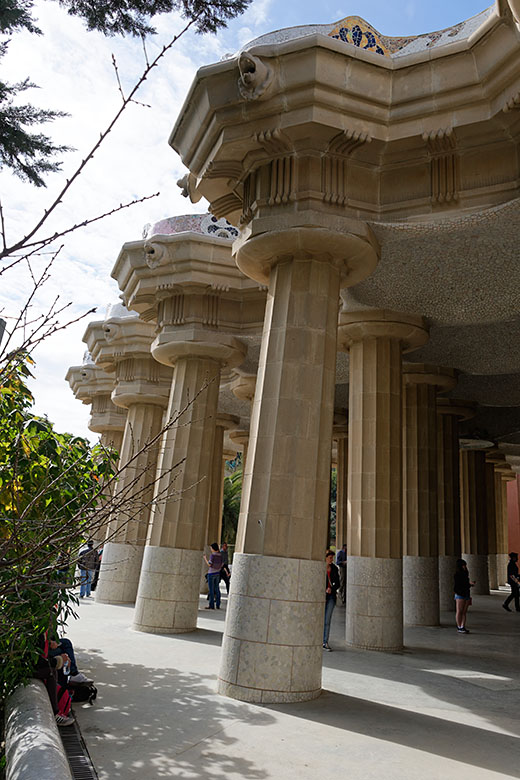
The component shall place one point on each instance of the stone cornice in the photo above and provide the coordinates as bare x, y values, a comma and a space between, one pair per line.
465, 91
87, 381
116, 339
147, 270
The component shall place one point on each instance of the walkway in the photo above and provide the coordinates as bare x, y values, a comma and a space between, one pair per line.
446, 707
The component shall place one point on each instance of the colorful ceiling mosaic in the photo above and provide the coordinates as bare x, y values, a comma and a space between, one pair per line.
192, 223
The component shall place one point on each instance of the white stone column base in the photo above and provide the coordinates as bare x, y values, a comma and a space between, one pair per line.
478, 573
272, 648
492, 571
502, 561
420, 590
374, 603
119, 573
447, 564
168, 595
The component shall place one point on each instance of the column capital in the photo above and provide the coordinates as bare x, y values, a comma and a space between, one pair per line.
226, 421
410, 330
243, 386
196, 342
350, 246
464, 410
443, 379
240, 437
475, 445
92, 385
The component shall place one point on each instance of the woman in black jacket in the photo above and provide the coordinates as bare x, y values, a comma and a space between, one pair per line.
462, 590
331, 588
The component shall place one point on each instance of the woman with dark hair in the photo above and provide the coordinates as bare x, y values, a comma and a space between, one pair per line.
331, 588
462, 590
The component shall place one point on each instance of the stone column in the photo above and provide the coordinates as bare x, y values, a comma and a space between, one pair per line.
216, 491
420, 492
272, 649
449, 413
121, 345
92, 385
127, 531
491, 519
473, 515
376, 340
503, 475
168, 595
340, 434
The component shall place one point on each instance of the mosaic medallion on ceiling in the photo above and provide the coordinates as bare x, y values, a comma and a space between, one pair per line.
354, 30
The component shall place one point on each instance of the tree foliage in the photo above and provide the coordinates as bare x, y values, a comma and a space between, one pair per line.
50, 484
231, 506
30, 155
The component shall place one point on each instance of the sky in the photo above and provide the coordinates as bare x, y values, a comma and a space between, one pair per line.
74, 73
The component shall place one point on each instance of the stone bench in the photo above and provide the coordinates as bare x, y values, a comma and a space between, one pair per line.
33, 748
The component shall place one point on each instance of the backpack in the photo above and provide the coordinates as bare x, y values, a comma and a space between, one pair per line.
83, 692
64, 700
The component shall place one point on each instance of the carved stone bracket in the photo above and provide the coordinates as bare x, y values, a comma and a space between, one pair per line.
445, 174
512, 104
225, 205
334, 168
256, 76
275, 142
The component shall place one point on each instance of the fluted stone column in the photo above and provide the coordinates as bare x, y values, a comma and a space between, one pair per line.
449, 413
340, 434
420, 492
216, 491
473, 517
375, 340
91, 385
168, 595
121, 345
272, 642
491, 522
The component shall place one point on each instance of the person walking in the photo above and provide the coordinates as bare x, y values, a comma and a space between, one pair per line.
331, 588
87, 562
215, 565
462, 587
341, 563
513, 581
225, 573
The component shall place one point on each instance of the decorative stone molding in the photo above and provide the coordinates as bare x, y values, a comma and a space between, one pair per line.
188, 185
256, 76
274, 142
444, 165
512, 104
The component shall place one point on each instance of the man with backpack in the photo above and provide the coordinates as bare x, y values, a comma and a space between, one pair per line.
87, 562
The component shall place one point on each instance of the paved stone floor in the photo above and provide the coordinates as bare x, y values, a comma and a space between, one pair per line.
448, 706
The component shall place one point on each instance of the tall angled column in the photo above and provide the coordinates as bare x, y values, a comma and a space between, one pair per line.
473, 514
189, 285
272, 645
449, 413
121, 344
420, 492
375, 341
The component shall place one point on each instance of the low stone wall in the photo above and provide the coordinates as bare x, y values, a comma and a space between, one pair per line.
34, 750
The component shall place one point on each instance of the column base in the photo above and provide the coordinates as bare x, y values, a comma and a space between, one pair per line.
420, 590
492, 571
168, 596
478, 573
502, 561
447, 565
272, 648
375, 603
119, 573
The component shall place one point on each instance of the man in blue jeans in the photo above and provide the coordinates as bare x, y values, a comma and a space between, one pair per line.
87, 562
215, 565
